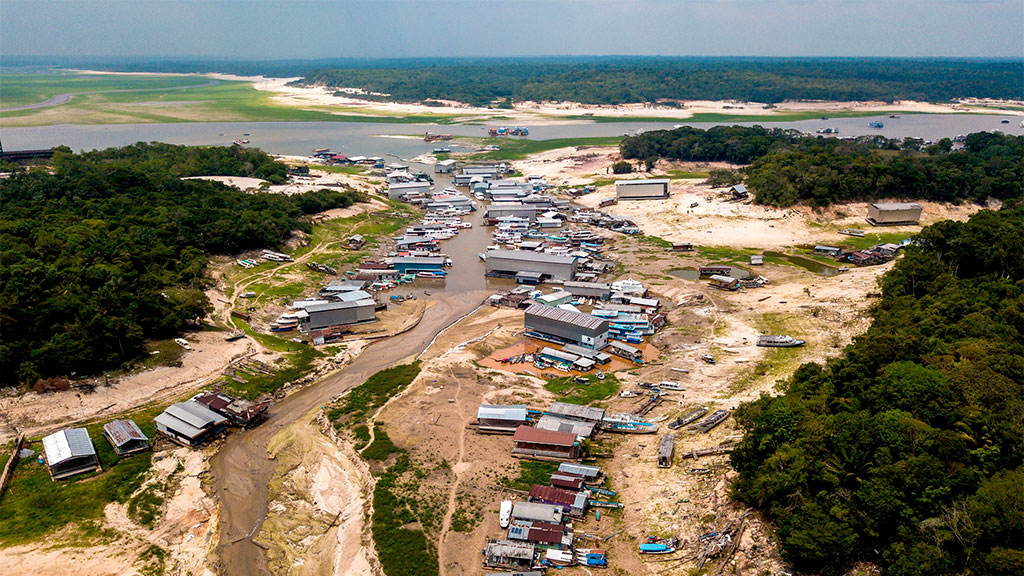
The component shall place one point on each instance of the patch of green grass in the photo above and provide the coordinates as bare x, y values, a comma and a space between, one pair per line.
584, 393
382, 446
152, 561
272, 342
530, 472
34, 505
654, 241
603, 182
355, 407
297, 365
402, 551
464, 519
341, 169
21, 89
871, 239
144, 507
684, 174
518, 149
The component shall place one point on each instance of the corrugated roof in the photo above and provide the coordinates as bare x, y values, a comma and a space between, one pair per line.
418, 260
577, 411
530, 256
555, 495
558, 424
638, 182
66, 444
537, 511
535, 436
576, 318
510, 549
516, 412
195, 414
897, 205
179, 426
579, 469
341, 305
123, 431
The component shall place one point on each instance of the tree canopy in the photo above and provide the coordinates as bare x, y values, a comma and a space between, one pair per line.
786, 167
110, 249
619, 80
907, 451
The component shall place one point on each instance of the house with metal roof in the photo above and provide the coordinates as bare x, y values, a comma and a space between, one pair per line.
240, 412
559, 424
599, 290
507, 263
536, 512
666, 450
125, 436
398, 189
320, 316
572, 503
445, 166
555, 298
599, 358
407, 264
566, 327
893, 213
588, 472
542, 533
69, 452
508, 554
533, 442
190, 423
567, 481
626, 351
492, 419
641, 189
577, 412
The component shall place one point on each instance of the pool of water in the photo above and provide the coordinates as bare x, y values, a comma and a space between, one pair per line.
808, 263
685, 274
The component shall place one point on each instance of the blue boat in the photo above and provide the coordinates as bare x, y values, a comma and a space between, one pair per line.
875, 124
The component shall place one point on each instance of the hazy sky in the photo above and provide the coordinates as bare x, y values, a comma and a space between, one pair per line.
278, 29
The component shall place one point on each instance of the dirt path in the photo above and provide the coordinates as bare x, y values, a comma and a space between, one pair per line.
457, 469
241, 469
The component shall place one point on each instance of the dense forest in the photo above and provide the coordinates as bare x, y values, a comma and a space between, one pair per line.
907, 451
618, 80
110, 249
787, 167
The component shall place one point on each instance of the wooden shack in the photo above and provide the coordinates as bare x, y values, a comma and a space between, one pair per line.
666, 450
545, 444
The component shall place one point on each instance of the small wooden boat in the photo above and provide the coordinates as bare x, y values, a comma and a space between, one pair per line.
666, 547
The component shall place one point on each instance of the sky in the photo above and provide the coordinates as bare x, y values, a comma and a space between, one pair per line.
279, 29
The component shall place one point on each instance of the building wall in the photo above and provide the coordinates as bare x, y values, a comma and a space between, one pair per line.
319, 320
511, 266
884, 216
594, 339
517, 211
641, 191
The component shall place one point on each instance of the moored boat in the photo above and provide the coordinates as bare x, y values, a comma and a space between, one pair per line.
778, 341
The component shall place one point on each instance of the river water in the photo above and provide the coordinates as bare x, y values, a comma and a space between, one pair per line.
377, 139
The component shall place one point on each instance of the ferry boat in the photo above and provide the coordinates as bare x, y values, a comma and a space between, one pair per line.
770, 341
285, 322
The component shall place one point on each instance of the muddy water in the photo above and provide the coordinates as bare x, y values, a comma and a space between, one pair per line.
685, 273
240, 469
806, 263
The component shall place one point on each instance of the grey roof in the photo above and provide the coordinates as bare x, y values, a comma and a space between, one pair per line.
433, 260
123, 431
740, 188
559, 424
341, 305
897, 205
353, 296
579, 469
516, 412
594, 285
576, 318
510, 549
636, 182
577, 411
405, 185
179, 426
67, 444
629, 349
564, 356
195, 414
530, 256
537, 511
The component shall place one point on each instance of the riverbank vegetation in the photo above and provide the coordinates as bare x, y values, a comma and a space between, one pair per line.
907, 451
620, 80
786, 167
111, 249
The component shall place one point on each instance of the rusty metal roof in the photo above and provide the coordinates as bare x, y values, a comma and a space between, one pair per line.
122, 432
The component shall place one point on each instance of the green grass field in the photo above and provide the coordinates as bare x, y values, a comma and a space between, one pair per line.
163, 101
518, 149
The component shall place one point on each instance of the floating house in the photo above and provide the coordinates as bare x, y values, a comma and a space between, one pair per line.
827, 250
572, 503
532, 442
641, 189
626, 351
598, 290
239, 412
566, 327
557, 423
445, 167
724, 282
666, 450
599, 358
577, 412
543, 533
508, 263
555, 299
589, 473
125, 436
508, 553
894, 213
493, 419
407, 264
70, 452
536, 512
190, 423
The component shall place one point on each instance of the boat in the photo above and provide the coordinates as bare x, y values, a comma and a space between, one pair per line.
708, 358
853, 232
430, 274
668, 385
240, 141
828, 130
875, 124
628, 394
559, 558
770, 341
599, 374
1004, 121
627, 424
894, 115
482, 256
505, 513
658, 547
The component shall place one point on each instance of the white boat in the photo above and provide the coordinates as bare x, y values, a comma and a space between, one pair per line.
505, 513
669, 385
770, 341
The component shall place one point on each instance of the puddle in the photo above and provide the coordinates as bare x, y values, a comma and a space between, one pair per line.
807, 263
